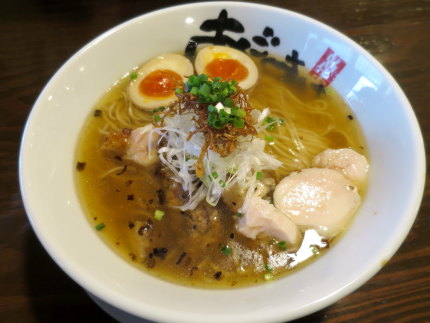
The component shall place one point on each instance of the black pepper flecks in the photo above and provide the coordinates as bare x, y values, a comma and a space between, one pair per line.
122, 171
161, 196
217, 275
80, 166
160, 252
145, 227
350, 117
130, 197
181, 257
98, 113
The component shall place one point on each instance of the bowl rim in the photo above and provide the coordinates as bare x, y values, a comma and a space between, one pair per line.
159, 313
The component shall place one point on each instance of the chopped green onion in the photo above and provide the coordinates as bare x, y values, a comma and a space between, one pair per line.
269, 119
273, 122
214, 175
204, 90
179, 91
268, 138
193, 80
100, 226
211, 108
159, 109
268, 276
158, 215
240, 113
239, 215
228, 102
133, 75
259, 175
215, 92
226, 250
267, 267
223, 116
194, 90
238, 123
157, 118
315, 250
221, 183
203, 78
218, 124
282, 245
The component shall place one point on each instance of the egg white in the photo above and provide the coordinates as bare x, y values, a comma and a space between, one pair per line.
174, 62
209, 53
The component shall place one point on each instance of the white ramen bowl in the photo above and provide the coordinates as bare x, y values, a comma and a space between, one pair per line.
394, 143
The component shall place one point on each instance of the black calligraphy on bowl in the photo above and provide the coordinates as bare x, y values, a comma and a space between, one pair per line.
259, 46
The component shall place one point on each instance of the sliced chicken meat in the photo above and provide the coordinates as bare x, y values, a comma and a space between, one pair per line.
142, 146
262, 218
347, 161
138, 145
318, 198
234, 196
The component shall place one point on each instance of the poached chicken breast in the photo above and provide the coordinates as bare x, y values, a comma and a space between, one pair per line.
262, 218
346, 160
317, 198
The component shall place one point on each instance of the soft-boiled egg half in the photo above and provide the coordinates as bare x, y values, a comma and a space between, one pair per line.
227, 63
158, 79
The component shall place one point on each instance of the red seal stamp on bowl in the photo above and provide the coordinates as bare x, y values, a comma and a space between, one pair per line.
328, 66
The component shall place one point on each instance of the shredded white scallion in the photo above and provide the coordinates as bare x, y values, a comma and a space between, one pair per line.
240, 166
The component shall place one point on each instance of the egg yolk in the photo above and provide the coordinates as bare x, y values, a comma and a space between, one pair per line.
226, 69
160, 83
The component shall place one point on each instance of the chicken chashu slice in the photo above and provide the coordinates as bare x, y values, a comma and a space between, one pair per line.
138, 145
347, 161
263, 219
318, 198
